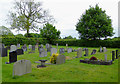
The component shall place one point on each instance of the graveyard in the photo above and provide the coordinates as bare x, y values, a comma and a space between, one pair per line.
69, 71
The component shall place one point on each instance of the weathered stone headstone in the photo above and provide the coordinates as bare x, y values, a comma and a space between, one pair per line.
12, 56
18, 45
3, 52
86, 52
47, 46
57, 45
105, 58
79, 52
24, 47
33, 47
66, 46
69, 50
30, 47
41, 45
100, 49
62, 50
104, 49
2, 45
53, 50
60, 59
21, 67
13, 48
42, 52
113, 55
20, 51
93, 52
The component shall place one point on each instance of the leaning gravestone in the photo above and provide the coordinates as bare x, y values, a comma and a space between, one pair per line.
62, 50
60, 59
69, 50
93, 52
33, 47
3, 52
42, 52
13, 48
79, 52
20, 51
53, 50
30, 47
12, 56
21, 67
104, 49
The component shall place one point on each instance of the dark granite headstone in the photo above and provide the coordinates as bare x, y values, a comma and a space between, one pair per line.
12, 56
20, 51
116, 54
113, 55
3, 52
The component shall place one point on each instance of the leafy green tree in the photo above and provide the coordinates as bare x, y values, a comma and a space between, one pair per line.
94, 24
19, 35
27, 16
68, 37
49, 32
33, 35
5, 31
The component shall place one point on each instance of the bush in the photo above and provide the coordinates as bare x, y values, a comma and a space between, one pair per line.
53, 58
93, 58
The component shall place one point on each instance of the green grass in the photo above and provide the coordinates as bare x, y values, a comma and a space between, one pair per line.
71, 71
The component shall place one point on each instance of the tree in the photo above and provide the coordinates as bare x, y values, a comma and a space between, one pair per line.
19, 35
33, 35
5, 31
94, 24
28, 15
68, 37
49, 32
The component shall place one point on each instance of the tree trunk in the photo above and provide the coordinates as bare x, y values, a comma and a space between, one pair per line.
27, 32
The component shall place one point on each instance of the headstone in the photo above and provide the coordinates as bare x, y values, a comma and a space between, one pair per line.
100, 49
116, 54
21, 67
104, 49
42, 52
86, 52
66, 46
53, 50
2, 45
41, 45
18, 45
13, 48
24, 47
69, 50
12, 56
33, 47
47, 46
113, 55
30, 47
3, 52
36, 46
57, 45
93, 52
79, 52
62, 50
20, 51
60, 59
105, 58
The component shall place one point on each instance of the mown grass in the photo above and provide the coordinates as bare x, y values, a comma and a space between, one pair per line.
71, 71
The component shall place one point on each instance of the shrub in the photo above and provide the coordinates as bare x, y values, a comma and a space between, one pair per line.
93, 58
53, 58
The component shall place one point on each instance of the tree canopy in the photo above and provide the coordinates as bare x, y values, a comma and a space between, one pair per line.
94, 24
27, 16
49, 32
5, 31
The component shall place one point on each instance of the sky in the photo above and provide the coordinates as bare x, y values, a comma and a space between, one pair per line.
66, 13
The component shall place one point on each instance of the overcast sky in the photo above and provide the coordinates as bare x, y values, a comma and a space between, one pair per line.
66, 13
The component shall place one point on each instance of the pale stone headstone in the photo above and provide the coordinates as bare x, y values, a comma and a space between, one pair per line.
79, 52
57, 45
13, 48
47, 46
42, 52
41, 45
69, 50
62, 50
105, 58
60, 59
86, 52
100, 49
21, 67
2, 45
30, 47
66, 46
24, 47
18, 45
104, 49
53, 50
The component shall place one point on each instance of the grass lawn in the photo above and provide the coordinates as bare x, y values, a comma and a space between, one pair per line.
71, 71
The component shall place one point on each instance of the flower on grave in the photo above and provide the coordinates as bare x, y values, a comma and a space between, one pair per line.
53, 58
93, 58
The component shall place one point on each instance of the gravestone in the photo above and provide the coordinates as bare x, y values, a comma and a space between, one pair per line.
69, 50
53, 50
2, 45
66, 46
12, 56
13, 48
84, 49
79, 52
62, 50
116, 54
42, 52
24, 47
3, 52
41, 45
18, 45
105, 58
104, 49
47, 46
113, 55
100, 49
57, 45
30, 47
93, 52
36, 46
60, 59
20, 51
33, 47
22, 67
86, 52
